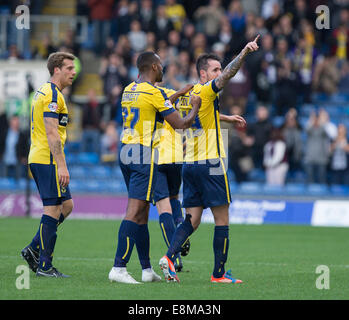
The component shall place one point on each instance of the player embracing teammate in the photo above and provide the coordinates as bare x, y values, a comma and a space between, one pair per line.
205, 181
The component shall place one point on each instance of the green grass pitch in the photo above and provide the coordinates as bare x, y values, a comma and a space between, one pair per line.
275, 262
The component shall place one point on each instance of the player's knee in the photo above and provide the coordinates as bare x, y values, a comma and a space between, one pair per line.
67, 207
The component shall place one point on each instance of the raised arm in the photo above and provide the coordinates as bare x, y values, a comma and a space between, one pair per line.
177, 122
232, 68
54, 142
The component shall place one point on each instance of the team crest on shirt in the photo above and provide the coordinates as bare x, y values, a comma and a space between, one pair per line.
53, 106
134, 87
168, 104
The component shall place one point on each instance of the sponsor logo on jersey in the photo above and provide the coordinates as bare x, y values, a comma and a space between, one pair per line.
168, 104
53, 106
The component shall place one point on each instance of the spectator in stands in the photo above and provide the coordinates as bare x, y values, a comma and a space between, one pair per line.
343, 85
12, 54
275, 159
208, 19
146, 14
340, 46
260, 131
299, 12
137, 37
225, 32
109, 47
184, 65
240, 161
176, 13
70, 43
286, 88
187, 36
274, 14
238, 88
199, 45
101, 15
113, 73
123, 50
173, 41
236, 16
133, 70
91, 117
109, 144
303, 59
44, 48
316, 150
330, 127
326, 74
264, 68
161, 24
14, 149
151, 41
172, 79
292, 133
339, 157
122, 18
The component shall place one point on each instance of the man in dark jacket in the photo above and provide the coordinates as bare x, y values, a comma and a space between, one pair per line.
13, 147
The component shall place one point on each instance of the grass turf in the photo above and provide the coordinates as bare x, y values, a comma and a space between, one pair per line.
275, 262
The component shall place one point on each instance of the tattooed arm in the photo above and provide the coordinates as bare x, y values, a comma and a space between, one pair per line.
54, 142
232, 68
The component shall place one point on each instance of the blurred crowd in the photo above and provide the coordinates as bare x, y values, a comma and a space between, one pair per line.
296, 61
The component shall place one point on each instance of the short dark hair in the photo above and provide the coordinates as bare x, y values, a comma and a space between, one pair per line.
55, 60
145, 61
202, 62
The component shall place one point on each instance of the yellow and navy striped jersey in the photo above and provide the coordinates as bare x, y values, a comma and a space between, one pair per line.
204, 138
48, 101
144, 107
171, 141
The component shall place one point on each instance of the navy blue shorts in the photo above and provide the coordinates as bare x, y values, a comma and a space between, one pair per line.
168, 181
46, 179
205, 185
139, 170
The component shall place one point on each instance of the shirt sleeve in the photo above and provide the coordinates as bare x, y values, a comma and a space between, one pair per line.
162, 103
51, 105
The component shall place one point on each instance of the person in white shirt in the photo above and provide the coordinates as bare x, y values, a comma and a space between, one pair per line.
275, 159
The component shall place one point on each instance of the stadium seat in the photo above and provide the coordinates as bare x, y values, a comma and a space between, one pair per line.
8, 184
278, 121
250, 188
257, 175
339, 190
233, 186
71, 158
272, 189
79, 172
315, 189
339, 98
295, 189
88, 158
101, 172
116, 173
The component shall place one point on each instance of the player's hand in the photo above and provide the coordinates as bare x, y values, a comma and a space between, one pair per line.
252, 46
237, 121
195, 101
63, 176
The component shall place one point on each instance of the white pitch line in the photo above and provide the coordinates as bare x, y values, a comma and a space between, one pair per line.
187, 261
